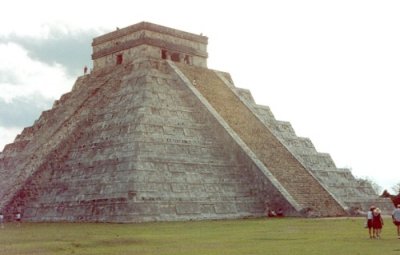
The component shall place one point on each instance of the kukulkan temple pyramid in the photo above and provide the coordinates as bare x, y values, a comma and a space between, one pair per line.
152, 134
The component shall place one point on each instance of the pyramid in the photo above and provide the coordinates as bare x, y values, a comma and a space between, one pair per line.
152, 134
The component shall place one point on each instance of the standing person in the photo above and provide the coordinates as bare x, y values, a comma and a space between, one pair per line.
369, 222
1, 220
396, 219
377, 223
18, 218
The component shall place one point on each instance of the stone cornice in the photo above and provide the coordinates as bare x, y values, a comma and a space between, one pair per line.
150, 27
149, 41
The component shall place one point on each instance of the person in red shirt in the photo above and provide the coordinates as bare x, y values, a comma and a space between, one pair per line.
377, 223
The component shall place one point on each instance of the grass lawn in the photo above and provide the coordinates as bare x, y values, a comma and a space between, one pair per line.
252, 236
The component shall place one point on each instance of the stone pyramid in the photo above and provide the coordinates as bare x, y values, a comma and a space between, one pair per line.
153, 134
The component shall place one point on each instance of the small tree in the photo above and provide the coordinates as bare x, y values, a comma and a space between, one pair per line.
396, 189
373, 184
395, 198
386, 193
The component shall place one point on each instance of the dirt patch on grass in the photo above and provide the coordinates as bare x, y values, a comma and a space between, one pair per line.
121, 242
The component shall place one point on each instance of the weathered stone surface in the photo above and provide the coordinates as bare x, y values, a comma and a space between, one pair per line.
133, 161
138, 141
288, 171
149, 40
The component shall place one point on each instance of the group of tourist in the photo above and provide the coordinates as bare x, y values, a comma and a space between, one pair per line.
375, 222
17, 219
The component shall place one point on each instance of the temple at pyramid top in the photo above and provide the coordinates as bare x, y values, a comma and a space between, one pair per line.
149, 40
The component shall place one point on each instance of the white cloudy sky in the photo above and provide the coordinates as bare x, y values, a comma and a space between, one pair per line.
331, 68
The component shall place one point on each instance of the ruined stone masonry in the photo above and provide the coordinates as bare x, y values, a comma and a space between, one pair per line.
153, 134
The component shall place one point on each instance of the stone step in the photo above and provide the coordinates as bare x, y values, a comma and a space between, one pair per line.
61, 127
283, 165
150, 163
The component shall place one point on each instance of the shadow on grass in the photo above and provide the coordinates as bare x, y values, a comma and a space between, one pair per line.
281, 239
120, 242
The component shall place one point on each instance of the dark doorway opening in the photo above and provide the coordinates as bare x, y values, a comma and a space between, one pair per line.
119, 59
175, 57
187, 59
164, 54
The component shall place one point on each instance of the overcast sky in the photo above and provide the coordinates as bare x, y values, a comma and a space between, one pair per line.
331, 68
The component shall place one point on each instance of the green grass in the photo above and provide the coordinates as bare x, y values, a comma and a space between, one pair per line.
253, 236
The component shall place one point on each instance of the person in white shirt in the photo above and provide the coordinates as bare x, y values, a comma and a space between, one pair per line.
369, 222
18, 219
396, 219
1, 220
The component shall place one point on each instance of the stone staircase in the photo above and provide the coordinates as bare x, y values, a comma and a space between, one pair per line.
142, 149
355, 194
55, 130
301, 185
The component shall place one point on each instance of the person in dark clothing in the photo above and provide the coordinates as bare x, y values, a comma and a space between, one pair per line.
370, 216
377, 223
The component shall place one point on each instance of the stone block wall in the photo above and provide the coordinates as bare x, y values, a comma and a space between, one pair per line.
44, 141
142, 149
148, 40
